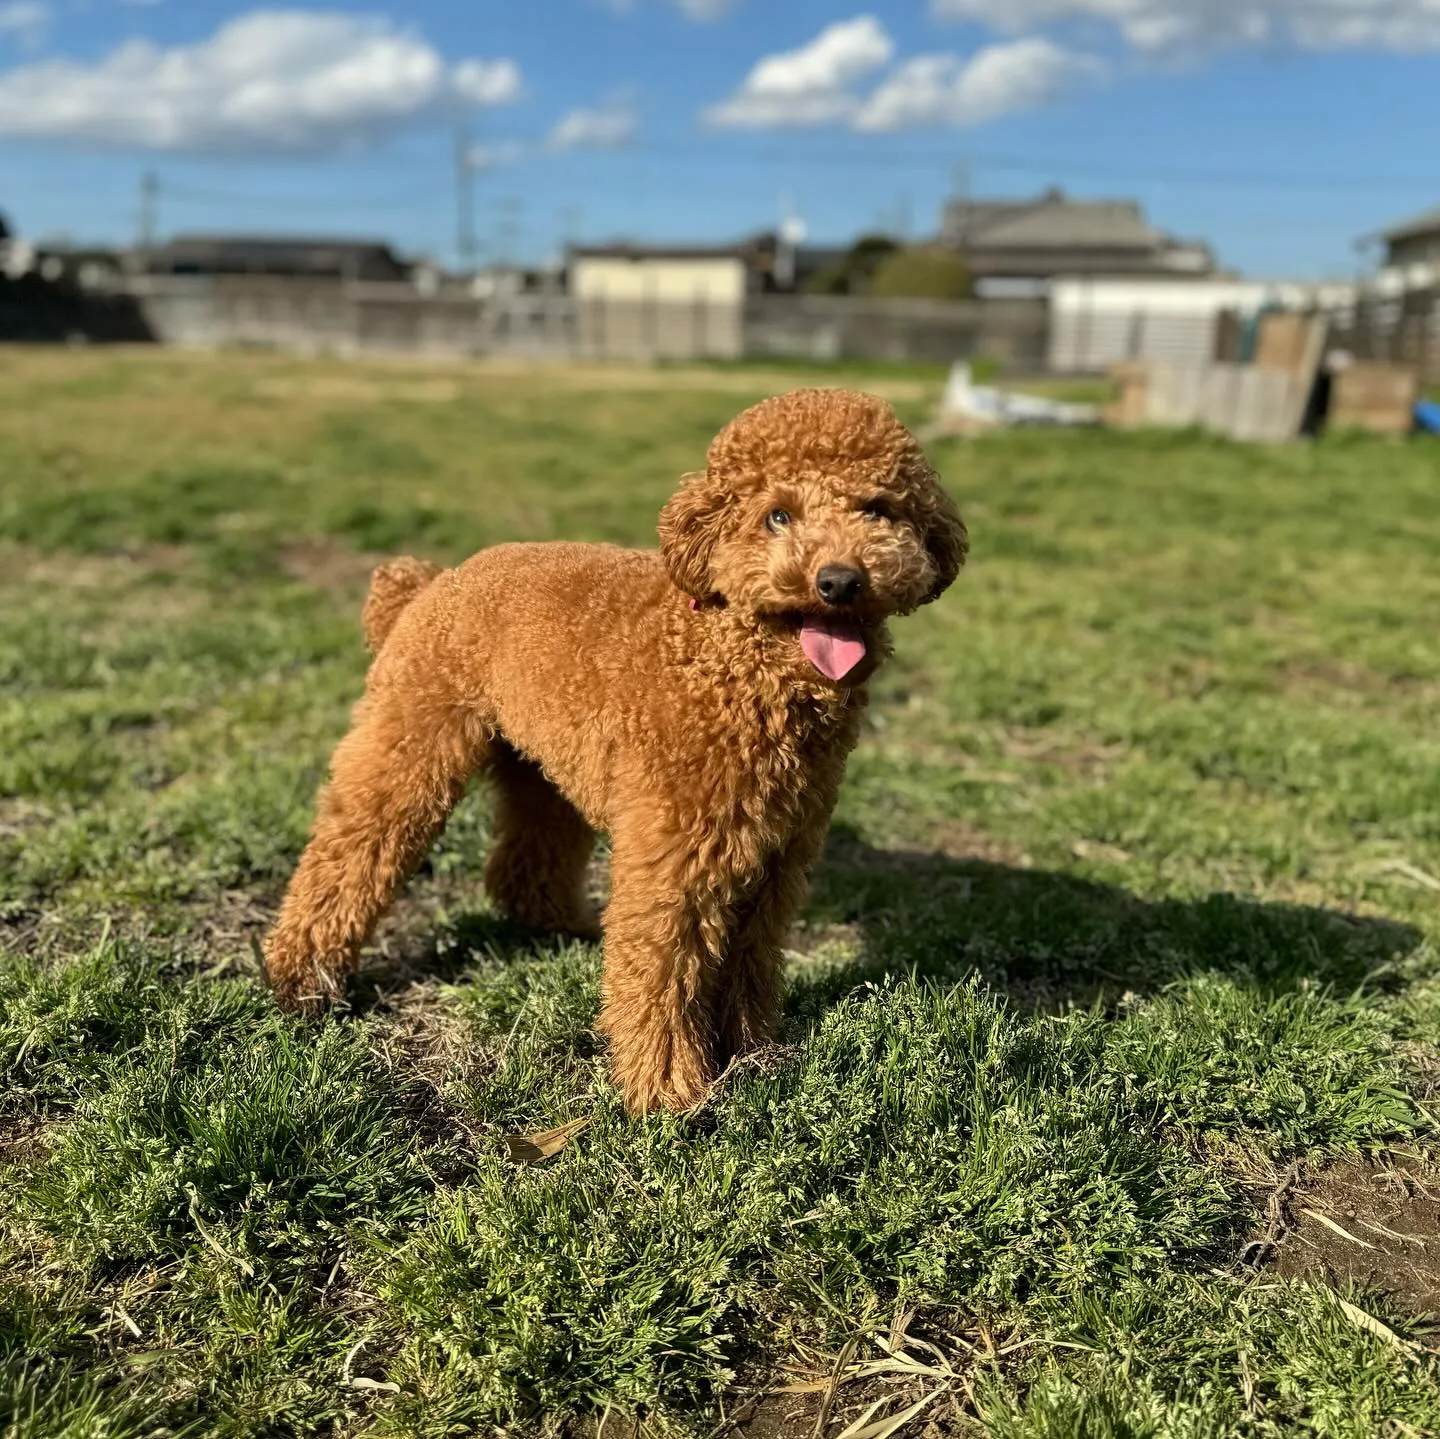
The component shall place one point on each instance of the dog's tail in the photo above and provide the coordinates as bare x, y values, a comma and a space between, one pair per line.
392, 587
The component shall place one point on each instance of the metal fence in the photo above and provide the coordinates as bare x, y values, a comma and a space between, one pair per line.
1401, 329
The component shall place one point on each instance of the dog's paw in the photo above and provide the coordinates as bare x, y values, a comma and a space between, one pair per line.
678, 1083
304, 987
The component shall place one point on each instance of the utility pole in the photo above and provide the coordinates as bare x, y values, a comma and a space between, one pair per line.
569, 237
960, 200
789, 239
464, 196
508, 226
149, 210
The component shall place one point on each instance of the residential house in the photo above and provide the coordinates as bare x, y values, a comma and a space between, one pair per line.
658, 301
1018, 244
762, 263
1412, 249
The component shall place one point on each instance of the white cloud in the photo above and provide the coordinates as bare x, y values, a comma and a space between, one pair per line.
701, 11
705, 10
269, 82
998, 80
812, 85
605, 127
491, 157
1171, 25
819, 83
486, 82
25, 20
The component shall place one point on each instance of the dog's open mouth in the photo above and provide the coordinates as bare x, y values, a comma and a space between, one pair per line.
833, 644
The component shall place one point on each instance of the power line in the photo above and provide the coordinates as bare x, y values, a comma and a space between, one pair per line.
938, 162
1048, 165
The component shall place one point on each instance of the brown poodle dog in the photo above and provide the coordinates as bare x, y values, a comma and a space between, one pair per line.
697, 704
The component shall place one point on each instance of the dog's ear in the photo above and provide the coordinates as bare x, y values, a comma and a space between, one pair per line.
689, 528
946, 538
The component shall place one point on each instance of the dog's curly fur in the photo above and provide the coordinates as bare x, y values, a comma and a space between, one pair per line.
664, 698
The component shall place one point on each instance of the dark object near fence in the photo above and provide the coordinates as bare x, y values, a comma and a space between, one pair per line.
34, 310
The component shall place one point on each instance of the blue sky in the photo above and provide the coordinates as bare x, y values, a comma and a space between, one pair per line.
1279, 130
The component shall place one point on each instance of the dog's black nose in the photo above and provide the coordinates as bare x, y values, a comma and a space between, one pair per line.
839, 584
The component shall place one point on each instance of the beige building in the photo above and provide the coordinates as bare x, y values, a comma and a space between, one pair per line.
647, 303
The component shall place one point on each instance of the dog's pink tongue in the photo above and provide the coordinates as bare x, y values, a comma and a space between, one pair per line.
833, 646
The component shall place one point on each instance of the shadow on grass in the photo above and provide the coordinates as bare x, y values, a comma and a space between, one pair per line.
1051, 939
1045, 938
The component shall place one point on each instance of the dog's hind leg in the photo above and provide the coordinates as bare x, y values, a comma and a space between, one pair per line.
393, 781
541, 850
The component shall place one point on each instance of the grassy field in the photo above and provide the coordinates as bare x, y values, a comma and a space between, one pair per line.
1106, 1102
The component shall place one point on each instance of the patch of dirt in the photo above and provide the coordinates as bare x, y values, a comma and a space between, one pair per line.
236, 920
17, 815
331, 567
1074, 755
924, 1380
437, 380
954, 839
20, 565
19, 928
767, 1415
807, 939
1372, 1222
644, 377
21, 1142
1332, 677
358, 387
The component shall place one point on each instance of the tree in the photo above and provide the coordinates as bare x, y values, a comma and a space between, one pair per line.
851, 275
924, 273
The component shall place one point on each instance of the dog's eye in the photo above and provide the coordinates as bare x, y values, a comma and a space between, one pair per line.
877, 510
777, 520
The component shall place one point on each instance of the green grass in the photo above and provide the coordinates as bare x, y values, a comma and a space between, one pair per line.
1118, 927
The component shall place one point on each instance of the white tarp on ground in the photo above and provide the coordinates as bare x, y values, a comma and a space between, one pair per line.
967, 403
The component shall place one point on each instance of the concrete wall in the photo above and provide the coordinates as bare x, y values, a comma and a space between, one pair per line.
645, 330
836, 327
315, 316
306, 316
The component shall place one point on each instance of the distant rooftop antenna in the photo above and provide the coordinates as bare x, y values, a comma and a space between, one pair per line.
792, 236
148, 221
465, 167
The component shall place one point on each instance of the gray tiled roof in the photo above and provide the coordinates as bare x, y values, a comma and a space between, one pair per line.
1052, 222
276, 254
1425, 224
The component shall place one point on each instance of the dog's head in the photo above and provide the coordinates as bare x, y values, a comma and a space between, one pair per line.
816, 511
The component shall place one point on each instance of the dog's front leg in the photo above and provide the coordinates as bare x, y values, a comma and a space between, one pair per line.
747, 988
666, 928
